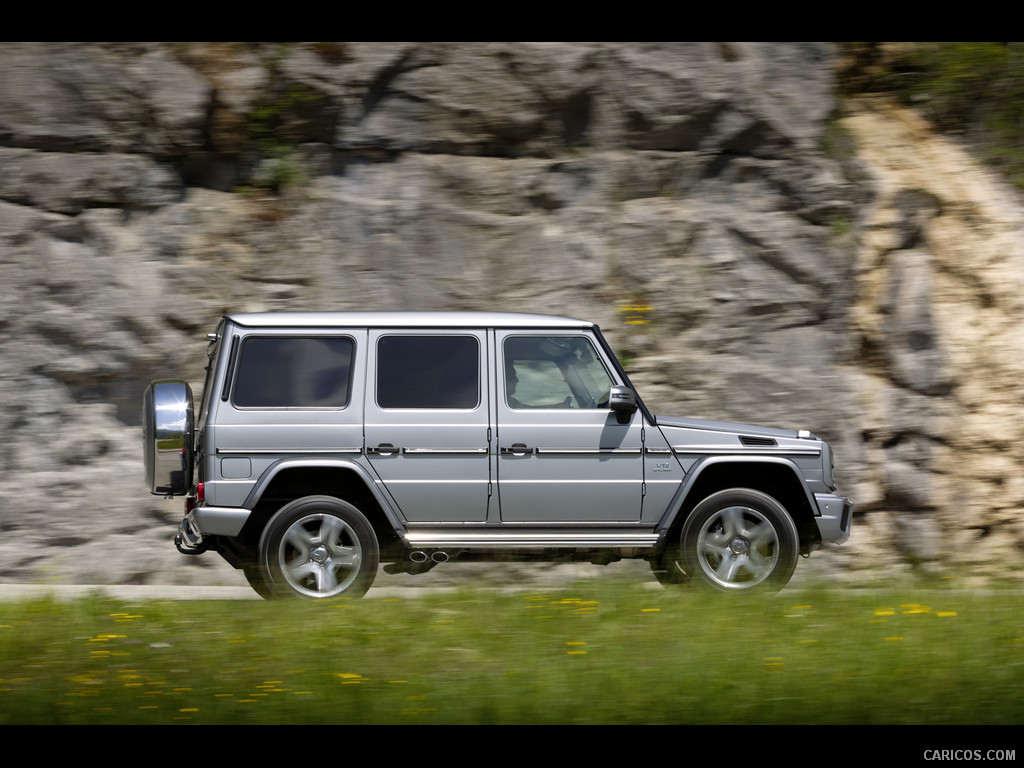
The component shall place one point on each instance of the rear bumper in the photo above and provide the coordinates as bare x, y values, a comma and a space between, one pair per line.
835, 515
201, 522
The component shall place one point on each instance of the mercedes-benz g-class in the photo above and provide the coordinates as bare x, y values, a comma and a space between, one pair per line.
328, 443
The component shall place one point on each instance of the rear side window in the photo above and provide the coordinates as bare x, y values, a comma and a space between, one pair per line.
428, 372
294, 372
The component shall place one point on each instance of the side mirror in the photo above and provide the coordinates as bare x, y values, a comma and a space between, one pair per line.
622, 401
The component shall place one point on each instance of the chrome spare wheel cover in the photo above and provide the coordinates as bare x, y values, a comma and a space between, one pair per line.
738, 547
320, 555
167, 425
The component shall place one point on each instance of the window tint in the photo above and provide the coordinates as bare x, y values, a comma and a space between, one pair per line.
554, 372
428, 372
294, 372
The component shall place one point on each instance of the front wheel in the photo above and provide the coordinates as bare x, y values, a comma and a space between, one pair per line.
668, 568
319, 547
740, 539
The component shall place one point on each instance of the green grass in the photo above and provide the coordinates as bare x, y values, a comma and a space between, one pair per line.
599, 653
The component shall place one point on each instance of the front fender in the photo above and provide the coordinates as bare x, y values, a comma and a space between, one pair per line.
764, 473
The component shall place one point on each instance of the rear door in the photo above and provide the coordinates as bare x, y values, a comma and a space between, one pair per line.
428, 421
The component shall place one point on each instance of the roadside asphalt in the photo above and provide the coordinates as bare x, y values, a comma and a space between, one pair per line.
15, 592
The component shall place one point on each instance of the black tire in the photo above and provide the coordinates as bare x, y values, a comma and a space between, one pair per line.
668, 568
257, 579
738, 540
319, 547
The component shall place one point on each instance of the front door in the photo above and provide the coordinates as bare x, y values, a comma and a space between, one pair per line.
562, 455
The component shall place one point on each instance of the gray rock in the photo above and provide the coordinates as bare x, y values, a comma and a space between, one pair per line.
675, 193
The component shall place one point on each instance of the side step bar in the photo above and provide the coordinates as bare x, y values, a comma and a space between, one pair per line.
514, 541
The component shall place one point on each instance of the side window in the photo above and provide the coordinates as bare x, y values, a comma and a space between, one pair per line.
294, 372
428, 372
554, 372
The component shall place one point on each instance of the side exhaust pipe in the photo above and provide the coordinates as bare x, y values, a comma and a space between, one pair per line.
419, 556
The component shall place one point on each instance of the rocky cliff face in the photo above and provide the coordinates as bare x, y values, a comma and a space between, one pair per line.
938, 315
677, 194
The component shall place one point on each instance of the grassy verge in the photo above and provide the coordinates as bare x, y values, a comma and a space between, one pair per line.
606, 653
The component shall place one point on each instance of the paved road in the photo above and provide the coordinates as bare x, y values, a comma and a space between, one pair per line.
406, 587
10, 592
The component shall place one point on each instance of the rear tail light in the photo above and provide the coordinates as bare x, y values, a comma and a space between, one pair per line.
191, 502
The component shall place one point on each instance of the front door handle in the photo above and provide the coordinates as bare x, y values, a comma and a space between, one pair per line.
384, 449
517, 449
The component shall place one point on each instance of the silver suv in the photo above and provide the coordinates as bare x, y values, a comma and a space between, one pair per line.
327, 444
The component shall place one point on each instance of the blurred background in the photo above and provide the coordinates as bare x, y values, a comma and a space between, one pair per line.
806, 235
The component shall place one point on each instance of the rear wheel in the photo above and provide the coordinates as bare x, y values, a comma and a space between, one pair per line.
740, 539
318, 547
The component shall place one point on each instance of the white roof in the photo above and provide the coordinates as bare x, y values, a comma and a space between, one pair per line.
404, 320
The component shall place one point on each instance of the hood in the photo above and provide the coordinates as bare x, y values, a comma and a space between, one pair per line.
726, 426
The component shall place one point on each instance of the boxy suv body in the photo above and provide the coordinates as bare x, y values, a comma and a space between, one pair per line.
326, 444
